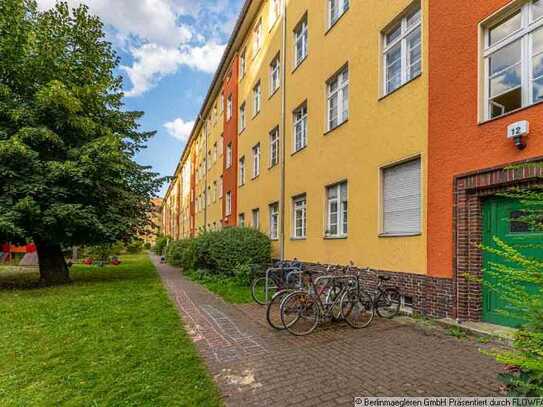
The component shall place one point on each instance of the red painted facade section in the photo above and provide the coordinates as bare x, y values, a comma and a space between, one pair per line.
457, 142
230, 88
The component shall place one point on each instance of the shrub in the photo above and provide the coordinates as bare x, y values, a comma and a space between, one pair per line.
134, 247
183, 253
160, 244
147, 246
231, 252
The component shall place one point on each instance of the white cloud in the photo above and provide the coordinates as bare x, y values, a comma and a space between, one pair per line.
152, 62
179, 129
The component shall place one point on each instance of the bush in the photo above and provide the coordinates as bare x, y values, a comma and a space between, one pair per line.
160, 244
231, 252
147, 246
134, 247
183, 253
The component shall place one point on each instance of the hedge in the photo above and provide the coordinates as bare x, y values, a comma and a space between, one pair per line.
231, 252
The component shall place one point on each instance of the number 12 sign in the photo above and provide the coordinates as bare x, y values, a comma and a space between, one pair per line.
518, 129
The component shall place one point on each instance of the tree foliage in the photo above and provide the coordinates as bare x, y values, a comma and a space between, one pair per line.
67, 146
521, 284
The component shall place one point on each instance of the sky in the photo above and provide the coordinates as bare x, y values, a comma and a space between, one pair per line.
169, 50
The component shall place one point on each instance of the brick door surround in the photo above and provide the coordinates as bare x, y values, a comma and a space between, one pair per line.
470, 190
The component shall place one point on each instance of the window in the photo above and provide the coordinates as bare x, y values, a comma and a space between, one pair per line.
221, 107
402, 198
209, 160
241, 171
275, 72
300, 127
214, 152
257, 99
220, 187
336, 8
275, 11
338, 99
256, 160
229, 107
513, 60
229, 155
256, 218
241, 117
258, 37
242, 63
336, 210
208, 195
241, 220
402, 51
221, 144
214, 193
274, 221
274, 147
228, 203
300, 42
299, 206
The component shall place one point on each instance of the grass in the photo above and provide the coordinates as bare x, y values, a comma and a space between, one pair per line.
230, 289
457, 332
110, 338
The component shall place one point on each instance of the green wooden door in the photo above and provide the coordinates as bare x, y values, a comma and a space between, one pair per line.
499, 216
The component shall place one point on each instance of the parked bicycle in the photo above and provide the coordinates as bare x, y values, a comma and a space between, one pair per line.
386, 300
264, 287
326, 298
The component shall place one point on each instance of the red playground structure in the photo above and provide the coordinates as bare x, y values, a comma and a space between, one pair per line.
8, 251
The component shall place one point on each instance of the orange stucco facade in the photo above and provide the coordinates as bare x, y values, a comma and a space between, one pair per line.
460, 140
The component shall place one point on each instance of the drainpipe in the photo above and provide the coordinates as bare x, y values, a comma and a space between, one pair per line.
283, 128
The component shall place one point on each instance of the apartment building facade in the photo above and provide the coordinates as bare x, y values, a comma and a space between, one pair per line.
335, 144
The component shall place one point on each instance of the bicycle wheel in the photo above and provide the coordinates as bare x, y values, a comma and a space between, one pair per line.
300, 313
273, 313
258, 289
388, 303
357, 308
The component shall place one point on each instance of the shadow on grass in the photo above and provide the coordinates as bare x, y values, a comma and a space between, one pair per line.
29, 279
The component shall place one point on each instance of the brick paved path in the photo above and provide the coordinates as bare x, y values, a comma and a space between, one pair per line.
254, 365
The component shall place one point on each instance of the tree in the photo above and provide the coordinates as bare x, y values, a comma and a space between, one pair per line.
522, 286
67, 147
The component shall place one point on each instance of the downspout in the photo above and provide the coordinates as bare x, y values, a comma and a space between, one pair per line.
283, 128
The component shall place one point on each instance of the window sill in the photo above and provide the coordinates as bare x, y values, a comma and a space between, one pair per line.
240, 132
255, 177
274, 239
337, 127
335, 22
298, 238
274, 92
512, 112
273, 166
256, 114
399, 234
400, 87
299, 64
330, 237
298, 151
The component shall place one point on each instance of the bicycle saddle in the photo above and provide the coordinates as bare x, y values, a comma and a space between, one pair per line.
384, 278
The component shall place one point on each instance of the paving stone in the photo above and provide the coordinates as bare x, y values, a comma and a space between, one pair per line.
255, 365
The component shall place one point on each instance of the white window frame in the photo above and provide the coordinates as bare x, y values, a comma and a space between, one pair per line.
418, 231
241, 220
342, 209
340, 92
529, 25
274, 12
243, 63
241, 120
228, 203
229, 107
301, 40
274, 220
275, 74
405, 33
258, 36
274, 147
228, 161
299, 208
299, 117
257, 98
256, 160
220, 187
342, 6
241, 171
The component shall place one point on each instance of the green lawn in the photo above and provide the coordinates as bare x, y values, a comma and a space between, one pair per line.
227, 288
111, 338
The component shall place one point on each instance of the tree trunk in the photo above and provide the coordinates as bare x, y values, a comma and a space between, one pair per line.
53, 268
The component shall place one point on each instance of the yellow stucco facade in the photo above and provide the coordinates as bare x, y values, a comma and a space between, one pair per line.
379, 131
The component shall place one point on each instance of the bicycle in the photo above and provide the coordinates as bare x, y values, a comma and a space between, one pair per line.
387, 300
263, 288
303, 310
